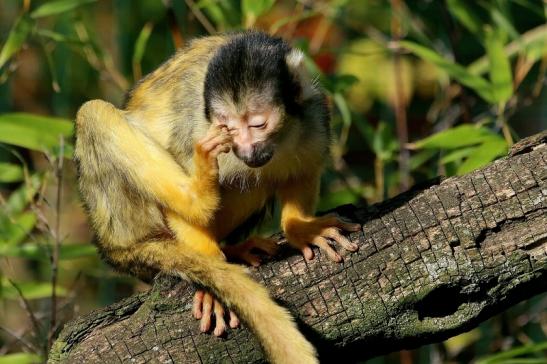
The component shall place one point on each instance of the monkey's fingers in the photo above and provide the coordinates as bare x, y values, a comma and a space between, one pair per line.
333, 220
324, 245
220, 324
221, 148
234, 320
334, 234
208, 146
207, 307
307, 252
198, 303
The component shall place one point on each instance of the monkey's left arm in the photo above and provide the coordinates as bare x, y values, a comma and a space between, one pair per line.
302, 229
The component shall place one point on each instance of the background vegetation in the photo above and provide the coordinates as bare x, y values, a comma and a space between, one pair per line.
417, 89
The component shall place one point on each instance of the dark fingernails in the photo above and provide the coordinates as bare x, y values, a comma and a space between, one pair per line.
354, 247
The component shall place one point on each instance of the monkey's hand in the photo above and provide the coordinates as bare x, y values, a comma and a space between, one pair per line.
303, 232
205, 304
243, 252
216, 141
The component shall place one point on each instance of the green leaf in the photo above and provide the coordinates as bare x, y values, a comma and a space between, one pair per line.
500, 68
384, 143
141, 42
457, 155
16, 38
483, 154
343, 107
10, 173
57, 7
482, 87
338, 83
465, 16
16, 229
457, 137
73, 251
19, 199
20, 358
30, 290
533, 43
58, 37
505, 356
37, 251
503, 23
337, 198
35, 132
224, 14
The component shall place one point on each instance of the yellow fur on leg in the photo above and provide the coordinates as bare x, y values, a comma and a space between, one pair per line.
152, 168
196, 238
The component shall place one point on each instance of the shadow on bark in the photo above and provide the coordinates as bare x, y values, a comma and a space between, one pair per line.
432, 263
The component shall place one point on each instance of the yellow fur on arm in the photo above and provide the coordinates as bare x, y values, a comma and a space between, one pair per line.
298, 199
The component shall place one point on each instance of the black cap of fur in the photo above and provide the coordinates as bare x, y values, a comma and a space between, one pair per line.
250, 60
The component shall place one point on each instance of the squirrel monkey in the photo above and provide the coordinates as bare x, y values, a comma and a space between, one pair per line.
202, 143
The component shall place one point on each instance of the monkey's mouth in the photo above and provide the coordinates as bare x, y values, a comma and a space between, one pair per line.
261, 154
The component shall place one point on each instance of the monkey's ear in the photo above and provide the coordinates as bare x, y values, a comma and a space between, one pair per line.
294, 60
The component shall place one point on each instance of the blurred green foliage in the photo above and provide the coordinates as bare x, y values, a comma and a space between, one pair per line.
417, 89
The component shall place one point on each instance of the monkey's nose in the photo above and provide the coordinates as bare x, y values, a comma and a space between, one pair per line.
243, 151
254, 155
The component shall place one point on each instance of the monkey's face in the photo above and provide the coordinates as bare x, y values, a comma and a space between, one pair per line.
253, 125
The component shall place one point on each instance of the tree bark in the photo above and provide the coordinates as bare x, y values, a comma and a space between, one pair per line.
432, 263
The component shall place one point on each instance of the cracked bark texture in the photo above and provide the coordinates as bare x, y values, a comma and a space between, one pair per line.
433, 262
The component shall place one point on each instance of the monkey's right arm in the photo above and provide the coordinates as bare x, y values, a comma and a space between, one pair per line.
153, 169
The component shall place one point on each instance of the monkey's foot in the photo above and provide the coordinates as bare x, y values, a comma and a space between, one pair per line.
243, 251
205, 305
317, 231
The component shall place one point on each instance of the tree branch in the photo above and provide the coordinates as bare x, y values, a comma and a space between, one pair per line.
432, 263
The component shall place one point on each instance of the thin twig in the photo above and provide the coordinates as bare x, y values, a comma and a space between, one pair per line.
200, 17
105, 65
20, 339
26, 306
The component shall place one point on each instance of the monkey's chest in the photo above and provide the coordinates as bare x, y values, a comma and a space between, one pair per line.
237, 206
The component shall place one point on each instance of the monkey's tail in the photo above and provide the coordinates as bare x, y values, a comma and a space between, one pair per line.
274, 326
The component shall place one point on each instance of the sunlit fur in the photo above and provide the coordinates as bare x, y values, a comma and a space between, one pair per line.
154, 201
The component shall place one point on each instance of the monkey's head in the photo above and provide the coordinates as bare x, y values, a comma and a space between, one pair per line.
252, 88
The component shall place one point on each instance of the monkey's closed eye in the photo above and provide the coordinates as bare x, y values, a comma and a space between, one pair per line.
260, 126
257, 121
